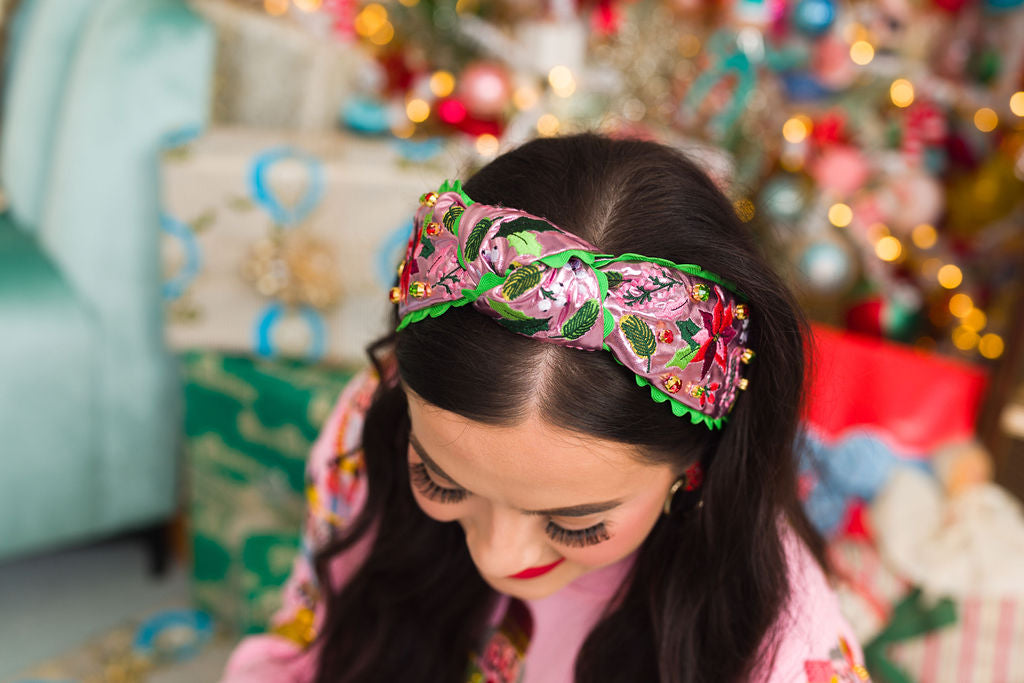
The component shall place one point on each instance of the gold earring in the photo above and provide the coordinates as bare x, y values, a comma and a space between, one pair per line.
672, 492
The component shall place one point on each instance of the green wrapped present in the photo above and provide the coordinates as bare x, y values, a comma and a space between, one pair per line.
249, 427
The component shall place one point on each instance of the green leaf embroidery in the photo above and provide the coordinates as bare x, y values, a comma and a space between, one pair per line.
614, 278
582, 320
530, 326
520, 281
476, 238
525, 243
506, 311
522, 225
451, 217
681, 358
428, 247
687, 328
640, 337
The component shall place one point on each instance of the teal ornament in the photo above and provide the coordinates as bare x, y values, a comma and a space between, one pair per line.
365, 115
783, 198
826, 266
814, 17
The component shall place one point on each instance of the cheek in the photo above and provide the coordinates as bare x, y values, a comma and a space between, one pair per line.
630, 529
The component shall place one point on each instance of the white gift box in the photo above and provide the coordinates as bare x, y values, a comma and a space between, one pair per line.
286, 243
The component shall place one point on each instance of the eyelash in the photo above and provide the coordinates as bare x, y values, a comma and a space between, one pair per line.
426, 485
576, 538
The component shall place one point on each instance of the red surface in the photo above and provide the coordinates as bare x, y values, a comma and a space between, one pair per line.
914, 400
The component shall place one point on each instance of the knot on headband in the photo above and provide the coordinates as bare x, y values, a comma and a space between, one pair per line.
680, 329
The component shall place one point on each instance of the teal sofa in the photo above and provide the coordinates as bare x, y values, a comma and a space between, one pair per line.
89, 394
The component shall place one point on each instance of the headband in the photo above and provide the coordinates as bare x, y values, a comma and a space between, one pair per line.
680, 329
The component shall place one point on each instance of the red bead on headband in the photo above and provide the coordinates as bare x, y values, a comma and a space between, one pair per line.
679, 328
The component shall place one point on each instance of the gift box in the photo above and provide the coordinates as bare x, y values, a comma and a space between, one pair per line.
273, 71
286, 243
249, 427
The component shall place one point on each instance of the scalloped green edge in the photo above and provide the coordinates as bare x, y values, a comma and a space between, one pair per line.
596, 262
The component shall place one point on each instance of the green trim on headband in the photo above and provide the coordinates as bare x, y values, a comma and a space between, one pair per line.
679, 409
455, 186
690, 268
487, 281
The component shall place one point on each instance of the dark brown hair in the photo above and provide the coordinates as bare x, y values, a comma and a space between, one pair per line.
705, 588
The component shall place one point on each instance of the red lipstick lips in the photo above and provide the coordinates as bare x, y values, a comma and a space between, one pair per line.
536, 571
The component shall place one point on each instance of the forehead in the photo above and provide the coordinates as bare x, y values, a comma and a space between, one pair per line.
532, 464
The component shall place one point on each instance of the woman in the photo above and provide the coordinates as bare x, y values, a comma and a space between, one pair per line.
509, 503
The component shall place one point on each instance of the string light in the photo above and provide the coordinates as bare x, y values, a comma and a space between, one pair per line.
964, 338
417, 110
308, 5
689, 46
901, 92
525, 97
840, 215
975, 319
991, 345
861, 52
442, 83
950, 276
924, 236
384, 35
370, 20
487, 145
986, 120
562, 81
960, 305
796, 129
547, 125
1017, 103
888, 248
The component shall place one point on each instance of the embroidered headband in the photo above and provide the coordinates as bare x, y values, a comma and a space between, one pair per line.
680, 329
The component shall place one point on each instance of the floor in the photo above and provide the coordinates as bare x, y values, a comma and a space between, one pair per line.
50, 603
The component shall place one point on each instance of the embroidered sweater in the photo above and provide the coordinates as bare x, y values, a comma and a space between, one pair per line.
815, 642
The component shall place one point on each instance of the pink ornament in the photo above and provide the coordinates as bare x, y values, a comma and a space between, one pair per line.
911, 199
841, 169
485, 90
832, 63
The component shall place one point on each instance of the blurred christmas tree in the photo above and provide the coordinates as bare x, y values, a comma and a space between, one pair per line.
882, 142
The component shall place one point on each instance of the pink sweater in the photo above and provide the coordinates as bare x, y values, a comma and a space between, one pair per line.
816, 644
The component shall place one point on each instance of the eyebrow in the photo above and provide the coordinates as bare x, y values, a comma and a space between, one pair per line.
581, 510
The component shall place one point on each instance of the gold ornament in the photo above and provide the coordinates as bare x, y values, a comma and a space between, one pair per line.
395, 295
295, 268
741, 312
419, 289
428, 198
401, 267
747, 356
672, 383
743, 383
433, 228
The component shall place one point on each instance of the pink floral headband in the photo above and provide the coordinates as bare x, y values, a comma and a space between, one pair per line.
679, 328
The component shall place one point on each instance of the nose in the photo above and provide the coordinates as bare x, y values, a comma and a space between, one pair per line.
503, 541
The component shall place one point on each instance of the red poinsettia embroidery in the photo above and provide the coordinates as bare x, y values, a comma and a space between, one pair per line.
708, 393
720, 332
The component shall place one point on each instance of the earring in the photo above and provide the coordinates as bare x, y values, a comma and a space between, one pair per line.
693, 477
672, 492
